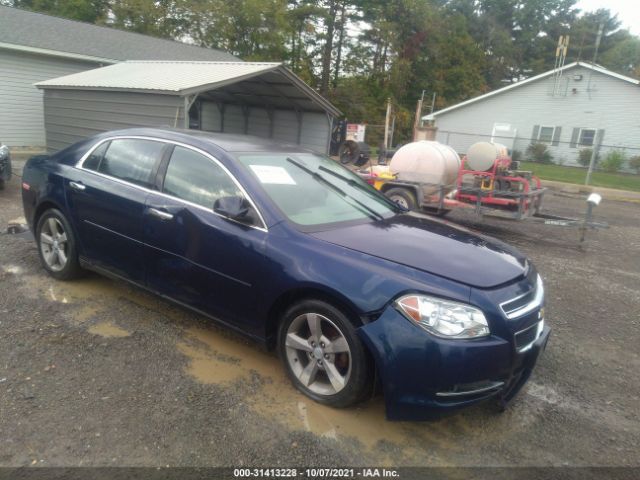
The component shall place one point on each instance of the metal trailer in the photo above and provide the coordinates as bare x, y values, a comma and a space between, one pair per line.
523, 206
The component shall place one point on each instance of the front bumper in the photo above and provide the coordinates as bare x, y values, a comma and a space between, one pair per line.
424, 376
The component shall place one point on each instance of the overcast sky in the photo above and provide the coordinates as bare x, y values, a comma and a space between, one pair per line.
628, 11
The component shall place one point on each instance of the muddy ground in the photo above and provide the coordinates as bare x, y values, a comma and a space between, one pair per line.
94, 372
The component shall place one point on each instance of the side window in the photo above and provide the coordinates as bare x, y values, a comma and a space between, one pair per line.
132, 160
92, 162
196, 179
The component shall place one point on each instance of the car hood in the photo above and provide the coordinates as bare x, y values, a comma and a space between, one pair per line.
434, 246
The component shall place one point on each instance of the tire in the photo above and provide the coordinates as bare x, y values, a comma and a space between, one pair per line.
57, 246
349, 152
336, 379
403, 197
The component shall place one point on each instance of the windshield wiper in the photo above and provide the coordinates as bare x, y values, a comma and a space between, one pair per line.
366, 188
370, 211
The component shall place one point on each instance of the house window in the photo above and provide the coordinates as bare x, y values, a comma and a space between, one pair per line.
587, 136
545, 134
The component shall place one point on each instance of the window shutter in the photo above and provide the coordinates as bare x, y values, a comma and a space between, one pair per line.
599, 137
534, 134
556, 136
574, 138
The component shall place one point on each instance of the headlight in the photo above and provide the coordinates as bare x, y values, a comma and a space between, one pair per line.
444, 318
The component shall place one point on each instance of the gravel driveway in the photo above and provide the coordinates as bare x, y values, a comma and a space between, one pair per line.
94, 372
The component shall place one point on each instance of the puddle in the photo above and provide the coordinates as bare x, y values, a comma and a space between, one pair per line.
214, 359
217, 357
109, 330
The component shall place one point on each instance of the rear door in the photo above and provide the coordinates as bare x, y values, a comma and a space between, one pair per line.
194, 255
107, 195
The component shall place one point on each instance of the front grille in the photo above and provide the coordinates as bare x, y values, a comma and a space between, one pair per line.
516, 304
519, 306
526, 337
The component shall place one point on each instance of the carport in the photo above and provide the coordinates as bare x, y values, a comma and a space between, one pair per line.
252, 98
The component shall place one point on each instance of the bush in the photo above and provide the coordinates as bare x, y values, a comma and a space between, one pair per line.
613, 161
584, 157
538, 152
634, 163
516, 156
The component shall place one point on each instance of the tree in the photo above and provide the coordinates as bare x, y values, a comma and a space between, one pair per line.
91, 11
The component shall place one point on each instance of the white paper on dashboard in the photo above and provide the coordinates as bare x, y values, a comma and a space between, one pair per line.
271, 174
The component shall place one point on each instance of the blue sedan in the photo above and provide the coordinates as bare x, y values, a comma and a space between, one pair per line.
293, 250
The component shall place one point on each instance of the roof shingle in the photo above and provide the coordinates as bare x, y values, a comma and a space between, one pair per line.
36, 30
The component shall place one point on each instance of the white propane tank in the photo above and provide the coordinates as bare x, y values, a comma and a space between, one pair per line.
482, 155
426, 162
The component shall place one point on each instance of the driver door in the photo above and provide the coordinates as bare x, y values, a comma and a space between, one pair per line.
195, 256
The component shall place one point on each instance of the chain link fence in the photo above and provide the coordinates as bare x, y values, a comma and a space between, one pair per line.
575, 153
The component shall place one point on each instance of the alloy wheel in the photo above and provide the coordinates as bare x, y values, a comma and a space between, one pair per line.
318, 354
54, 244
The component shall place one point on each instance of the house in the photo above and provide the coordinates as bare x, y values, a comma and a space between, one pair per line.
579, 106
36, 47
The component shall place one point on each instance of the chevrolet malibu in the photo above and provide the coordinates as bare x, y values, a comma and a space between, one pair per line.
296, 252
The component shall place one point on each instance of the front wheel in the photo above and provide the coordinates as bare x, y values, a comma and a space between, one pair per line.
322, 354
57, 245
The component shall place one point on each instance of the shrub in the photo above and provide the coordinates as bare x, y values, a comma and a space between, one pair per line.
613, 161
516, 155
584, 157
538, 152
634, 163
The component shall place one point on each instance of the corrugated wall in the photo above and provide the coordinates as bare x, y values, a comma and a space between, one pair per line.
314, 134
21, 117
608, 104
71, 115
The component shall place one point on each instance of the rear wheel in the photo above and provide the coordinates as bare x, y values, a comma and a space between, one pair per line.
322, 354
57, 245
403, 197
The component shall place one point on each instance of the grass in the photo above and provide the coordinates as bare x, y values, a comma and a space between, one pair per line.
558, 173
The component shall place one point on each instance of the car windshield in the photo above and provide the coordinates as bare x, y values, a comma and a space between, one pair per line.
314, 190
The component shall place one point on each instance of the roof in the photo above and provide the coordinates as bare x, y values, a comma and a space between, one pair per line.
230, 142
245, 83
46, 34
590, 66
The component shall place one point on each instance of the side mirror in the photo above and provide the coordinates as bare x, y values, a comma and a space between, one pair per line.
235, 208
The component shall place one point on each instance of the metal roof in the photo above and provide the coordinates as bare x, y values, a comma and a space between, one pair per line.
49, 35
595, 68
244, 83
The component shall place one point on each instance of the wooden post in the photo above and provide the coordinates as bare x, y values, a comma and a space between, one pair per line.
386, 126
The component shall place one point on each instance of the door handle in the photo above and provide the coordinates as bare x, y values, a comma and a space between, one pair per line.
160, 214
77, 186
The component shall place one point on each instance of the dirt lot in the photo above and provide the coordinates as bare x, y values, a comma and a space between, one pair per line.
94, 372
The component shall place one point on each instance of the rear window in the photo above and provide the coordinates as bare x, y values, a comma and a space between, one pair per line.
92, 162
132, 160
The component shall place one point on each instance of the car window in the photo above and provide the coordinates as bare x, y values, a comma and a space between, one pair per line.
133, 160
313, 190
195, 178
92, 162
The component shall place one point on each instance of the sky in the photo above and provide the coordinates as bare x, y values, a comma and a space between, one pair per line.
628, 11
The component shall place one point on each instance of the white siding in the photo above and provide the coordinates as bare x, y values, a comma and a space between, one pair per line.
611, 104
22, 121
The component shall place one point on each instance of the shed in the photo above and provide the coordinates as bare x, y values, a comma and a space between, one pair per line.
254, 98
